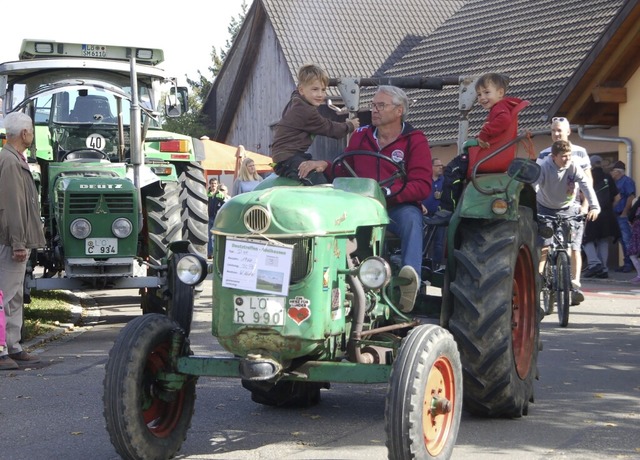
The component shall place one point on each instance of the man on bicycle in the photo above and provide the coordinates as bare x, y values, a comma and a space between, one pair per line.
556, 195
560, 131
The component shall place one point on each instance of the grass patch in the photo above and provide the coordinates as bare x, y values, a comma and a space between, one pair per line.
46, 311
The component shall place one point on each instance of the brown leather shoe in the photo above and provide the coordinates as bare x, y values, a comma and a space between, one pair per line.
24, 358
7, 364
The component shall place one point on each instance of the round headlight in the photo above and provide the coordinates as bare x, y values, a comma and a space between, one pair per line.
374, 273
189, 270
80, 228
499, 207
121, 227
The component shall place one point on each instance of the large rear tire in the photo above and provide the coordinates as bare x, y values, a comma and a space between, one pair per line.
496, 314
175, 211
564, 288
146, 418
163, 226
194, 206
424, 399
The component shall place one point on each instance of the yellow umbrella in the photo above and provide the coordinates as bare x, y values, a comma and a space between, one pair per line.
226, 159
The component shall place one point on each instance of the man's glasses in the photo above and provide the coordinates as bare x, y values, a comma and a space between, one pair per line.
559, 120
380, 106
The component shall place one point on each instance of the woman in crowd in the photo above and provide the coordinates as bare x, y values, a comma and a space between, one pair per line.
247, 179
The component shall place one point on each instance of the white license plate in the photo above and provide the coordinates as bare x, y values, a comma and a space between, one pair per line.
100, 246
258, 310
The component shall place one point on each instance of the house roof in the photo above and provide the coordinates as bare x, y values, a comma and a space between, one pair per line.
541, 45
353, 38
555, 53
347, 37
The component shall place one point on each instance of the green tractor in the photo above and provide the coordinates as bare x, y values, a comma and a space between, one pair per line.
115, 189
305, 294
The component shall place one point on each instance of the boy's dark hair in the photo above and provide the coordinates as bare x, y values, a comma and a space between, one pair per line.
310, 72
499, 80
560, 147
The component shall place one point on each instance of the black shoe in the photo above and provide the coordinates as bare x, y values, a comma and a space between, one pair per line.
577, 297
603, 275
593, 272
624, 269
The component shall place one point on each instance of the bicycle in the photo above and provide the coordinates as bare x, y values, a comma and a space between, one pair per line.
556, 275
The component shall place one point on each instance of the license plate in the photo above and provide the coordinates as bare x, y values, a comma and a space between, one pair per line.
101, 246
97, 51
258, 310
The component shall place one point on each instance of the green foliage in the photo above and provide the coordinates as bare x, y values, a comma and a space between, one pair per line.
47, 310
194, 122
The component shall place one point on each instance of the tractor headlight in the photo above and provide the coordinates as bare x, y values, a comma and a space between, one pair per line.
80, 228
499, 207
374, 273
121, 227
190, 270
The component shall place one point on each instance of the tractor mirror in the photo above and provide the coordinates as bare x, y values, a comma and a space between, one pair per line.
524, 170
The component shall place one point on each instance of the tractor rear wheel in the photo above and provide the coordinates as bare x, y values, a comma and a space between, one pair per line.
194, 211
496, 314
163, 226
175, 211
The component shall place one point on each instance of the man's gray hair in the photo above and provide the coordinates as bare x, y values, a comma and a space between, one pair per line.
398, 97
15, 122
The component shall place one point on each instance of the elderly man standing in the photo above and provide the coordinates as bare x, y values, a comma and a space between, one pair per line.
560, 131
20, 232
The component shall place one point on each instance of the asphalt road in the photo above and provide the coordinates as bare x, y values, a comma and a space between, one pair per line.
587, 399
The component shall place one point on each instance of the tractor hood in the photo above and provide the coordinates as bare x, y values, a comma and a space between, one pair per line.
299, 211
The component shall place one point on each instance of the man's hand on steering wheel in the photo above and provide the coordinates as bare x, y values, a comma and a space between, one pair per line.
398, 172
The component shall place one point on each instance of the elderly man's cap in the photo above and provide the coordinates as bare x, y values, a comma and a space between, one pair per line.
596, 160
619, 165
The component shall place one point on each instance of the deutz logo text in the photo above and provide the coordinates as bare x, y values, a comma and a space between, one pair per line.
102, 186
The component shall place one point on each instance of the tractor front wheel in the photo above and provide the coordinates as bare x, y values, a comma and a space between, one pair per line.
424, 400
147, 415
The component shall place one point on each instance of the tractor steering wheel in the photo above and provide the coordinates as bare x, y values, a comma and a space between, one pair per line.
398, 173
84, 153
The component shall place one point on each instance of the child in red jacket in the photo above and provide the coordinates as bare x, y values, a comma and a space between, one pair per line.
491, 89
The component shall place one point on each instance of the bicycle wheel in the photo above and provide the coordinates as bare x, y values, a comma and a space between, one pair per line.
548, 291
563, 294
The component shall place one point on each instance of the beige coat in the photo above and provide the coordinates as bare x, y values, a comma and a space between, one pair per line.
20, 223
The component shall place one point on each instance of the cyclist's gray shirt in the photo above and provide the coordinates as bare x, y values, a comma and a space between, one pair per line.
556, 187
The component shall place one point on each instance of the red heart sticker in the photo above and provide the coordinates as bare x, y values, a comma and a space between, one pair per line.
299, 314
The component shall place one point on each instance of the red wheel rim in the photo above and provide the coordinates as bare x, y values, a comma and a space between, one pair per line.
161, 417
523, 312
436, 426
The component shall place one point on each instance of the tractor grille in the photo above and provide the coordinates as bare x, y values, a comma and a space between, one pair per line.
257, 219
301, 259
90, 203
